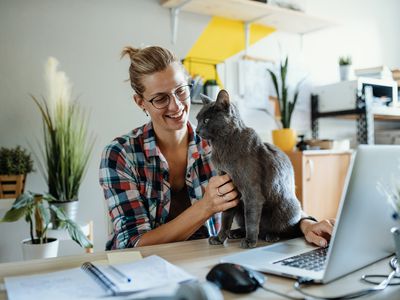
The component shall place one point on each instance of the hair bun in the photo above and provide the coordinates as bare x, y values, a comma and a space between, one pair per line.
146, 61
129, 51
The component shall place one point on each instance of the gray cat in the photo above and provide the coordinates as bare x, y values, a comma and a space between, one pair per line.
263, 174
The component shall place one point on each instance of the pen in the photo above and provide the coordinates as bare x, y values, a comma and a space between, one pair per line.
100, 277
120, 274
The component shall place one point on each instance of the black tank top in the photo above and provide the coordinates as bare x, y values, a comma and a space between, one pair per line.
180, 201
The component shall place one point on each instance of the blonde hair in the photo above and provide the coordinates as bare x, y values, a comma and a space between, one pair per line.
147, 61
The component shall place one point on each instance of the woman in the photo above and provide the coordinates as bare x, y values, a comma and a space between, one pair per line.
158, 180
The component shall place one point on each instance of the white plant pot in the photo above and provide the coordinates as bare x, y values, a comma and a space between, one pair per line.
345, 72
35, 251
70, 209
212, 91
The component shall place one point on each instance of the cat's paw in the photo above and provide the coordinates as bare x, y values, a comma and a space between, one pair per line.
238, 233
247, 243
214, 240
272, 238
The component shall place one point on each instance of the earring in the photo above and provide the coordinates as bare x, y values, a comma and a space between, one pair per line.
145, 112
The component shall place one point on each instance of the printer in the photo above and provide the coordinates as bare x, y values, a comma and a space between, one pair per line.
343, 95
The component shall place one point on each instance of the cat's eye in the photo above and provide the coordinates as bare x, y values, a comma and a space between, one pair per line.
206, 121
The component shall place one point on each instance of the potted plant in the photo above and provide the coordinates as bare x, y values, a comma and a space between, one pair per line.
36, 208
284, 137
66, 147
15, 164
211, 88
345, 67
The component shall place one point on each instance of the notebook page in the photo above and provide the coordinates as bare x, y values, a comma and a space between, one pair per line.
148, 273
61, 285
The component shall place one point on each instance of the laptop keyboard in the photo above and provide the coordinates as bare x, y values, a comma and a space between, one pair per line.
313, 260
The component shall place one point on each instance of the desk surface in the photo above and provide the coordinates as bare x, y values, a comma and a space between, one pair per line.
197, 257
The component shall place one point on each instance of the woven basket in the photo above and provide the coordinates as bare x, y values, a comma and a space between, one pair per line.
11, 186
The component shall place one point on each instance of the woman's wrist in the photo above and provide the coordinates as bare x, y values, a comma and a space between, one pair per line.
305, 222
203, 209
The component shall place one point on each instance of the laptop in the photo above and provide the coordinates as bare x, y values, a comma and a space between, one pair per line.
361, 235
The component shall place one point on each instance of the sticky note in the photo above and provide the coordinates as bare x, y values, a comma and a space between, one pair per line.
123, 257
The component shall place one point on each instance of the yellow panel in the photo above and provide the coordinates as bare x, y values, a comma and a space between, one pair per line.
221, 39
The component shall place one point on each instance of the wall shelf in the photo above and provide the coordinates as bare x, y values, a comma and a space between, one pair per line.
249, 12
365, 114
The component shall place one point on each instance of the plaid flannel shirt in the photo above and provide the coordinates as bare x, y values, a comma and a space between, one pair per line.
134, 178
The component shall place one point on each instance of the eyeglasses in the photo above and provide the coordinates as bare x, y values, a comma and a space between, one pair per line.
181, 93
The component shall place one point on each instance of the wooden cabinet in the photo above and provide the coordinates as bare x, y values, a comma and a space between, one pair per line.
319, 179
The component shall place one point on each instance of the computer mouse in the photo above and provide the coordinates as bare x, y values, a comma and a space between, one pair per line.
235, 278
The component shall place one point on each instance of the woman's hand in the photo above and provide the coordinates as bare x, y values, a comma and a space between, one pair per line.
220, 195
318, 233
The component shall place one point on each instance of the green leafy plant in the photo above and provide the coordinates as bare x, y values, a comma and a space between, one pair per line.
66, 150
36, 208
285, 106
15, 161
345, 60
211, 82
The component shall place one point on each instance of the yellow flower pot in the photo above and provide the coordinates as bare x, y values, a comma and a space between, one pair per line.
285, 138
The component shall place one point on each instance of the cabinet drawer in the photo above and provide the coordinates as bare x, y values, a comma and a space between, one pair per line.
319, 178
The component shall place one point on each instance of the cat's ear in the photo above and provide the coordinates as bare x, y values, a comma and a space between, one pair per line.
205, 99
223, 99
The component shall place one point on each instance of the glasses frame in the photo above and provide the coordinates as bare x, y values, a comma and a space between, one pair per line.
170, 95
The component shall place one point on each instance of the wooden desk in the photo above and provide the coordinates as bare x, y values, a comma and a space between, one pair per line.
197, 257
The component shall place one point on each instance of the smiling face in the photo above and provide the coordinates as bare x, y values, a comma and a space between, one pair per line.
173, 117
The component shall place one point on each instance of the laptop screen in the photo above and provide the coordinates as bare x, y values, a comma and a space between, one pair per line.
362, 232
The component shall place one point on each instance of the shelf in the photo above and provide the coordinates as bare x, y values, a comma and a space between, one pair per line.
326, 152
379, 113
385, 113
253, 12
365, 114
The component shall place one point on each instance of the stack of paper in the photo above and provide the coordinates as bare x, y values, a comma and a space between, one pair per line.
148, 273
380, 72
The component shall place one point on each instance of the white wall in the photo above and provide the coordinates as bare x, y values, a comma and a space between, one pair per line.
368, 30
87, 37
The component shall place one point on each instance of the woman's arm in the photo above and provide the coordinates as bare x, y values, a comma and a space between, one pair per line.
125, 204
220, 195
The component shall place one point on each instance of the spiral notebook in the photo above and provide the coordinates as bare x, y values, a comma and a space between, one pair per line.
95, 282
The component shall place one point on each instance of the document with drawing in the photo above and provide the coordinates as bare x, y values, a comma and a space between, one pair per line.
144, 274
